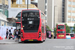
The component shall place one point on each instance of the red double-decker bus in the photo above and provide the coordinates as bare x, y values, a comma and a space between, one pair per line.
61, 32
33, 27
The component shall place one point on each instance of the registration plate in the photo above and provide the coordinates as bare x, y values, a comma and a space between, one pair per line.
31, 40
61, 35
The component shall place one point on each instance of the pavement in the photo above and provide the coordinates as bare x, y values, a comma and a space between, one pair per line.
7, 41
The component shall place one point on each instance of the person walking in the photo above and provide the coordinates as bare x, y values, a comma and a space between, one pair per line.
19, 34
10, 34
16, 34
7, 33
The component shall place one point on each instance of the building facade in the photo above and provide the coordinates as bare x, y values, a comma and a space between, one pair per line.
3, 20
16, 6
58, 11
70, 12
47, 6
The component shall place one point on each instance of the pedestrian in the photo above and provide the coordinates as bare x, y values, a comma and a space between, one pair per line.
52, 34
7, 33
16, 35
19, 34
10, 34
12, 31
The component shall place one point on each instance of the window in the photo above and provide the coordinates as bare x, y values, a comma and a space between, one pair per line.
67, 34
69, 14
63, 3
73, 8
30, 20
73, 14
63, 10
60, 27
45, 1
72, 35
18, 26
69, 19
42, 29
4, 23
45, 7
73, 19
69, 2
61, 31
69, 8
73, 3
18, 1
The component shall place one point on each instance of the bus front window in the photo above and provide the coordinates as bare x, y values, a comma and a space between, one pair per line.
61, 32
30, 20
60, 27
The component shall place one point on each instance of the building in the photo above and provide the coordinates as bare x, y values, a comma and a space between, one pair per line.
4, 7
53, 11
47, 6
58, 11
16, 6
11, 8
3, 17
3, 20
70, 12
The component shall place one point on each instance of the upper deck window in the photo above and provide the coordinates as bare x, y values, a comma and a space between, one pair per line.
60, 27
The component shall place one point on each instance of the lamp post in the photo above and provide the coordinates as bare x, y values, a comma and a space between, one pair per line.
27, 3
54, 15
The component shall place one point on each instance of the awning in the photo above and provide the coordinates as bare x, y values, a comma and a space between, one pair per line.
3, 17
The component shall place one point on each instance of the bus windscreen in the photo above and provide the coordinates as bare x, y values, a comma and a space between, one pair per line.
61, 31
72, 35
30, 20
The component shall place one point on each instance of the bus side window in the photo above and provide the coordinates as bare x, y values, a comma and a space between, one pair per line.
42, 29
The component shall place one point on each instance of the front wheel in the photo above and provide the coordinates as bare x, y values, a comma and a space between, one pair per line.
43, 40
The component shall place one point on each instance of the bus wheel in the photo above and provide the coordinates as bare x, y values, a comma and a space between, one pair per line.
43, 40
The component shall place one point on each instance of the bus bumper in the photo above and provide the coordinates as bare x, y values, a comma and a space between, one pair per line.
31, 39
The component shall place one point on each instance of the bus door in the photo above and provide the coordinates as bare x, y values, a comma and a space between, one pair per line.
18, 26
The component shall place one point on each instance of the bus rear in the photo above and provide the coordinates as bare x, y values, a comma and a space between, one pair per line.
31, 25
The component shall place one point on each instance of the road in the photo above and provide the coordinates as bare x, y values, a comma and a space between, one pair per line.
49, 44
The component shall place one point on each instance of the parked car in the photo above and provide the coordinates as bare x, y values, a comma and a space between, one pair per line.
68, 36
72, 36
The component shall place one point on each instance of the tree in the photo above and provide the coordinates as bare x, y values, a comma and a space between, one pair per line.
67, 28
73, 29
47, 28
55, 31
